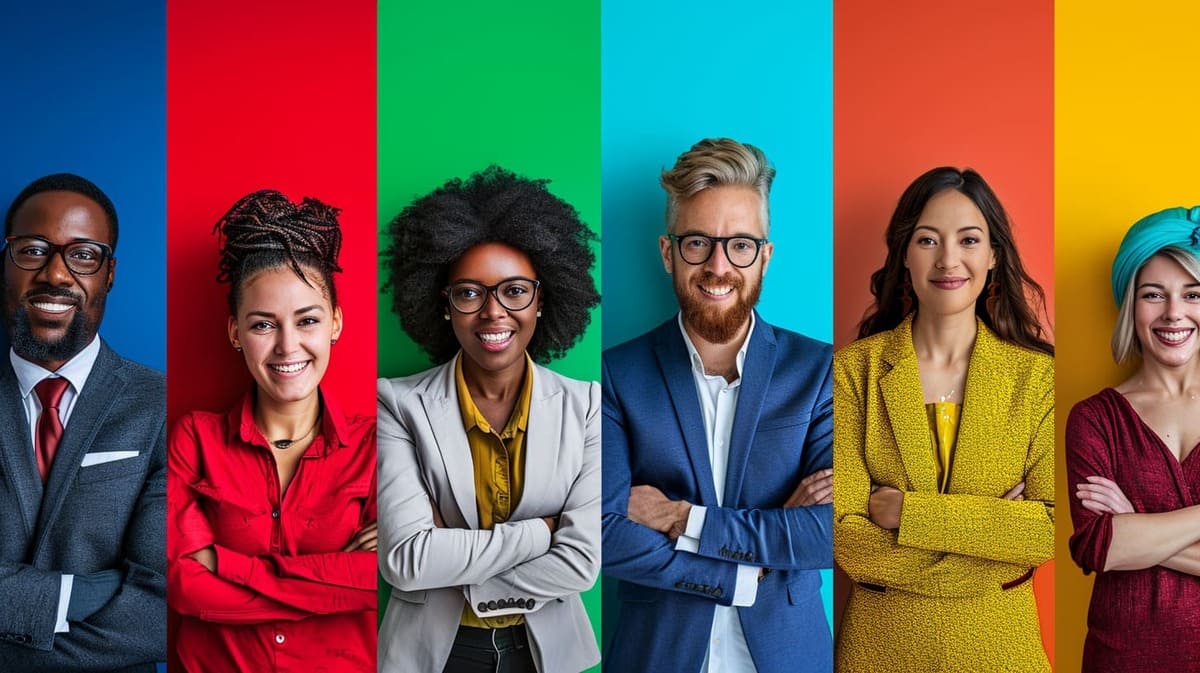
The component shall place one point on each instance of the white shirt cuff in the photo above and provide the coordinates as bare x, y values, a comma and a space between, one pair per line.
64, 600
745, 592
690, 540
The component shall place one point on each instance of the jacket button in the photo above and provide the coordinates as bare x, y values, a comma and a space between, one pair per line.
492, 605
482, 606
521, 603
529, 604
717, 592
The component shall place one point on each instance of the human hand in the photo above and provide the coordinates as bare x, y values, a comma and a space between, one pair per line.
815, 489
1102, 496
551, 523
438, 522
653, 509
366, 539
207, 557
884, 506
1016, 492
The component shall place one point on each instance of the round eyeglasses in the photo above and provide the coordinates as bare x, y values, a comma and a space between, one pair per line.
514, 294
741, 251
33, 253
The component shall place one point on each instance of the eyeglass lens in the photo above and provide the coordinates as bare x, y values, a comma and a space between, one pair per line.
696, 249
514, 295
32, 254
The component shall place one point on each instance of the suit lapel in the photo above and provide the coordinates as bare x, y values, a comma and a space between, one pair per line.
542, 436
17, 462
104, 386
675, 364
905, 403
440, 402
756, 380
985, 393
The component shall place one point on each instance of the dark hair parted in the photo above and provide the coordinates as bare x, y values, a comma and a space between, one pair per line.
1011, 315
492, 206
65, 182
265, 230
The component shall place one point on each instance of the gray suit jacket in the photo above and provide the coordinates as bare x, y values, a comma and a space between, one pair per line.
86, 519
425, 462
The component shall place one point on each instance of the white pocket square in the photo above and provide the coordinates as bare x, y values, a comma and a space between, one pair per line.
106, 457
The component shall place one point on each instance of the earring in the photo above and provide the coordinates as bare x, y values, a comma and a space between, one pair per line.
993, 296
539, 313
332, 341
237, 348
446, 315
906, 298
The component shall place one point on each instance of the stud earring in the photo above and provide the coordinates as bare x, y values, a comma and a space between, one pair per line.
539, 313
237, 348
332, 341
446, 316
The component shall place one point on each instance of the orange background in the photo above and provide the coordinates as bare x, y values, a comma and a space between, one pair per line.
922, 84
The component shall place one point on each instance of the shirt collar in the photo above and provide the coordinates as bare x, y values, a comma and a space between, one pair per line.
473, 418
333, 432
76, 370
694, 355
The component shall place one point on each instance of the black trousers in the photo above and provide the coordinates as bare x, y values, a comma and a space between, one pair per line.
491, 651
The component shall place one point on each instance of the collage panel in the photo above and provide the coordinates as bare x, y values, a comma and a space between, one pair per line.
716, 463
271, 453
1127, 253
82, 393
489, 332
943, 378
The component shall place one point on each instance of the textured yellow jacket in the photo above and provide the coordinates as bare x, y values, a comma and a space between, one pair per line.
954, 550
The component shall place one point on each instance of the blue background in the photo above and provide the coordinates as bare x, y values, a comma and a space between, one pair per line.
680, 71
83, 89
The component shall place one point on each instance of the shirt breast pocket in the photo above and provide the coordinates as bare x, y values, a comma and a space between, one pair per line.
328, 524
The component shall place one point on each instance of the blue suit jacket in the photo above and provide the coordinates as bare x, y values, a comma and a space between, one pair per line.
653, 433
86, 519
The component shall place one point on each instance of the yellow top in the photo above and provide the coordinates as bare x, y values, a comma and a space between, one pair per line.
499, 461
943, 423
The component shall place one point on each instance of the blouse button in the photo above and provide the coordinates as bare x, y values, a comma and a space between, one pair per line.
275, 515
279, 638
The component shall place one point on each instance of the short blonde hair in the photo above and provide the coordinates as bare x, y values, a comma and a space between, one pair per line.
718, 162
1124, 339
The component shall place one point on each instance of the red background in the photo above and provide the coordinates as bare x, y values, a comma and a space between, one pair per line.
928, 83
277, 95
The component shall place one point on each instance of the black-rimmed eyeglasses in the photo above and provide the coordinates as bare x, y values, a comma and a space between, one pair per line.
33, 253
741, 251
514, 294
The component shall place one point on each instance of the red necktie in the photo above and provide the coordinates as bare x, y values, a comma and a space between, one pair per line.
50, 427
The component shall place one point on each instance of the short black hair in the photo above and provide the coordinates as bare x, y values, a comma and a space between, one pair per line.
65, 182
265, 230
491, 206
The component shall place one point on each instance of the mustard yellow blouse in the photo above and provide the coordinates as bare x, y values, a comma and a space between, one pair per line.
499, 462
943, 424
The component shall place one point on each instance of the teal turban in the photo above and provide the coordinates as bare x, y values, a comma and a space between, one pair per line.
1173, 227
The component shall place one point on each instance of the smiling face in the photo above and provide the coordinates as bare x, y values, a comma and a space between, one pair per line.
284, 327
949, 255
716, 297
52, 313
494, 338
1167, 312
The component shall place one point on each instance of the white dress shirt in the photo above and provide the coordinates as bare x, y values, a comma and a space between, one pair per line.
727, 648
76, 371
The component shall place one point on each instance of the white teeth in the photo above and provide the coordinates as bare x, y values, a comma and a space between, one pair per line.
717, 291
495, 337
289, 369
1173, 336
51, 307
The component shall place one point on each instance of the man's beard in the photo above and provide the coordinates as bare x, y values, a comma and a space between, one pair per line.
33, 349
715, 324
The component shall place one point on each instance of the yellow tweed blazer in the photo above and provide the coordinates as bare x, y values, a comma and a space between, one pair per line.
967, 541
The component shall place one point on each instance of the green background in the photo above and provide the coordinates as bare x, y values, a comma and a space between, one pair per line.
468, 84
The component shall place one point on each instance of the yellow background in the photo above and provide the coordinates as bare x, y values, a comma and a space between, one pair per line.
1127, 143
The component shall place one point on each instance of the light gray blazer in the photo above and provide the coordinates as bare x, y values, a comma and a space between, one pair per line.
425, 462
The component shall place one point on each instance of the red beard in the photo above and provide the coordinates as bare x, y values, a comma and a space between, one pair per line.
713, 324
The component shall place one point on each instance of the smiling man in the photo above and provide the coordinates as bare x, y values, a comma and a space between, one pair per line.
82, 472
717, 448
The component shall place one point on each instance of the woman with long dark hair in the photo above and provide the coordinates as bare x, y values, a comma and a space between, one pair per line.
943, 444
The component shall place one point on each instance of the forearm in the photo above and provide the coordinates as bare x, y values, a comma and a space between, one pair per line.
792, 538
569, 567
432, 558
197, 592
1144, 540
31, 626
641, 555
317, 583
1019, 532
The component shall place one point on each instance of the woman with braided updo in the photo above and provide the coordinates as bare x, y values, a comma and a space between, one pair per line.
489, 464
271, 506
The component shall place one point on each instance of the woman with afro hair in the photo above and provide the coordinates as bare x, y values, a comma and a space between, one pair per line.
489, 464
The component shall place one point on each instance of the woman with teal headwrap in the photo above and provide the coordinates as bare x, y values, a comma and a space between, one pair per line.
1130, 462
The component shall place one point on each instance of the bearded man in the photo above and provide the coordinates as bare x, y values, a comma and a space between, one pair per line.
717, 455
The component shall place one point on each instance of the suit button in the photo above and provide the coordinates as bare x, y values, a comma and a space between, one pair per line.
492, 605
529, 604
482, 606
750, 556
521, 603
717, 592
679, 585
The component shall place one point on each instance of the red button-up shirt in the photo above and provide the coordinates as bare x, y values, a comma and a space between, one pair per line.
283, 598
